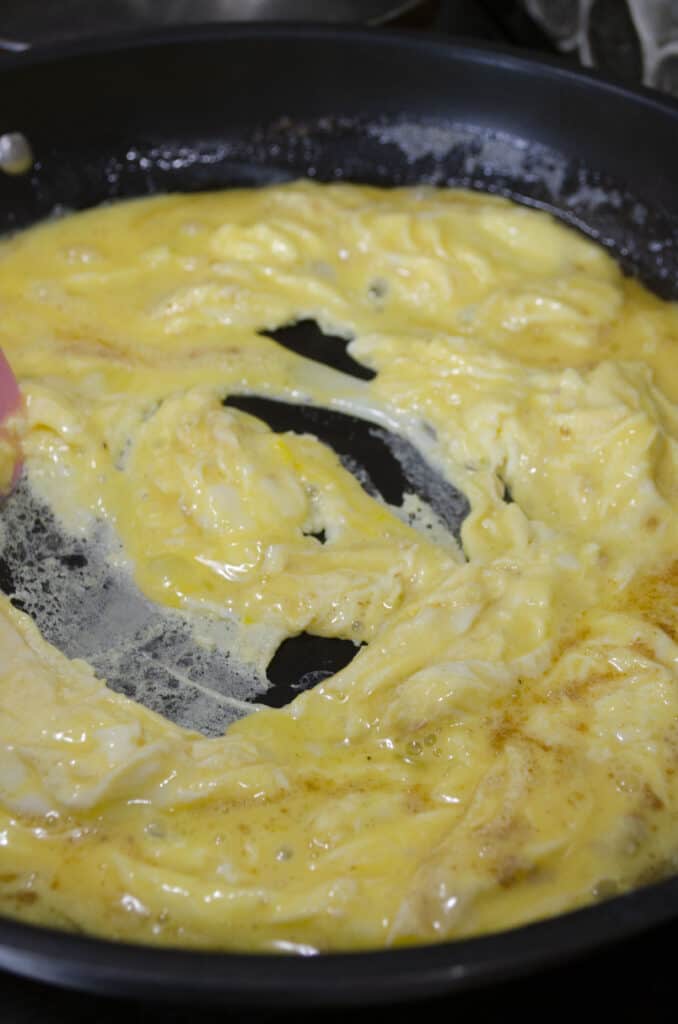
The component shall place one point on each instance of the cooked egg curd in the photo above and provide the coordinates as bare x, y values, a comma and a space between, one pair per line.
504, 745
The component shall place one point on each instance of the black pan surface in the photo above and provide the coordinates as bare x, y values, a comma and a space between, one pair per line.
216, 107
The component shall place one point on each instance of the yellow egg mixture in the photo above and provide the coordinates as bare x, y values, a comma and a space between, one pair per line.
504, 746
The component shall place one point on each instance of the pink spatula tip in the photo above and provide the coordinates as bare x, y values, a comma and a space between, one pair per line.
10, 396
10, 404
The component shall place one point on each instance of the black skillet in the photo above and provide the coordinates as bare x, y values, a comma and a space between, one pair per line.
213, 107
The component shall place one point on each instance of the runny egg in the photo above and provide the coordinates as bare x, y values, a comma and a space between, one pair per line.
503, 746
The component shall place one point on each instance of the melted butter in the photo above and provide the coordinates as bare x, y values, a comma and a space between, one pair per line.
505, 745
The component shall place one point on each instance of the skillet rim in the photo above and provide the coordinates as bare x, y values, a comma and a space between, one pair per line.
105, 966
554, 65
359, 978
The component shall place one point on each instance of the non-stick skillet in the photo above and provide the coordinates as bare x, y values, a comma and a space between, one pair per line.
212, 107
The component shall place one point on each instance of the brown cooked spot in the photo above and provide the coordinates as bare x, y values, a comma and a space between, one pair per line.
25, 898
656, 872
505, 827
546, 747
581, 689
570, 639
654, 802
512, 870
640, 647
500, 735
565, 432
605, 889
655, 597
416, 800
506, 729
652, 522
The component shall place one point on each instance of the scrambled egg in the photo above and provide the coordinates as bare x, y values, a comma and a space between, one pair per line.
504, 745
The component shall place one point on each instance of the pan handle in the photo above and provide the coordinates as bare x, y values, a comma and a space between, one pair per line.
14, 45
16, 155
